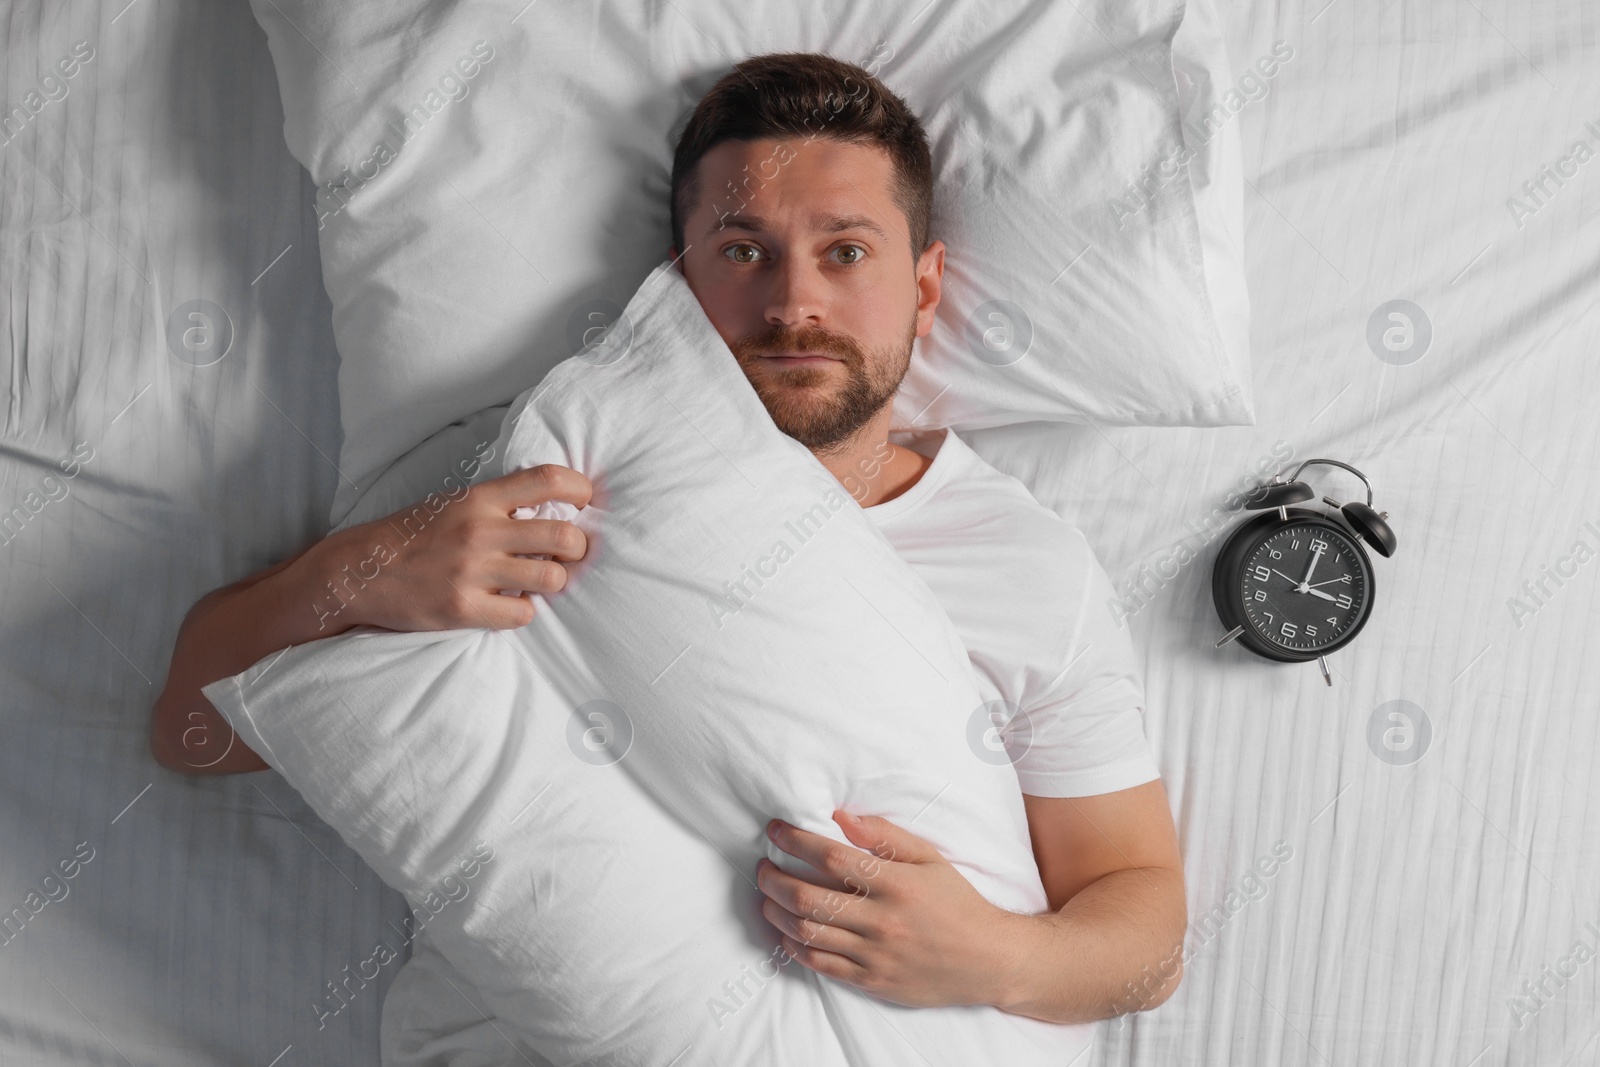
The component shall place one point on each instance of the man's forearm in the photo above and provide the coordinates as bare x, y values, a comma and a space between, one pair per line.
1115, 947
225, 633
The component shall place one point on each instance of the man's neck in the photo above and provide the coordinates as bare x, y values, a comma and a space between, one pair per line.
871, 469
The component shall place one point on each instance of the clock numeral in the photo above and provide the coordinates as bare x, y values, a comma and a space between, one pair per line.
1261, 594
1332, 621
1344, 600
1345, 579
1288, 629
1319, 544
1295, 543
1262, 573
1274, 553
1268, 614
1311, 631
1337, 556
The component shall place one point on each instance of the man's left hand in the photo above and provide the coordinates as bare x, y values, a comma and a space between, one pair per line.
897, 920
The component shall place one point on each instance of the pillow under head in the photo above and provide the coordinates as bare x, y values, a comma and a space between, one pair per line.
493, 185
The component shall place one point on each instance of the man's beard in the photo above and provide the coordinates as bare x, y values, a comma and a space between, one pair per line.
823, 421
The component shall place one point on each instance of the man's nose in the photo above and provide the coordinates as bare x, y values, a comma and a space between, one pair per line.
796, 297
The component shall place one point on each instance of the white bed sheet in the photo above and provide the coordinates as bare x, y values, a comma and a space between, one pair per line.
213, 911
1418, 898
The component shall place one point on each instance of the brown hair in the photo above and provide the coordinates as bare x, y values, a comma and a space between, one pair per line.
795, 93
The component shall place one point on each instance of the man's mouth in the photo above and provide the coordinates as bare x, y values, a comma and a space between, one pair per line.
799, 359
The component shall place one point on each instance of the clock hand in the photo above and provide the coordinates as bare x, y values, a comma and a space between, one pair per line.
1306, 581
1320, 593
1282, 575
1330, 581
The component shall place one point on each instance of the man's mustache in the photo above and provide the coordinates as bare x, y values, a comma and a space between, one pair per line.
786, 340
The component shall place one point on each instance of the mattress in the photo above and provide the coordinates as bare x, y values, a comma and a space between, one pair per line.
1429, 902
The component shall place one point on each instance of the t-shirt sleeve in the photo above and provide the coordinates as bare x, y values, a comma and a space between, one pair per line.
1083, 734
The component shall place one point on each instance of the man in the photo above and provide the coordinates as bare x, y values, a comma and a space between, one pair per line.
801, 201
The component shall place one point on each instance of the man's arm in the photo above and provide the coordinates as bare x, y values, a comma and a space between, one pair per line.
1113, 942
419, 569
900, 922
226, 631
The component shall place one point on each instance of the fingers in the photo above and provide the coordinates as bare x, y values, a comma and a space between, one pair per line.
886, 840
506, 612
535, 485
827, 964
544, 576
845, 865
547, 537
817, 935
799, 897
486, 608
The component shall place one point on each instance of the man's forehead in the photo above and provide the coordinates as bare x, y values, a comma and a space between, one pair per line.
812, 148
795, 185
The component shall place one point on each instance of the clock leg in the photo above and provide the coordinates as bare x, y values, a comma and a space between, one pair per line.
1322, 661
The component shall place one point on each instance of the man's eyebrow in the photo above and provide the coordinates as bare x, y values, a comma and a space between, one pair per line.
828, 224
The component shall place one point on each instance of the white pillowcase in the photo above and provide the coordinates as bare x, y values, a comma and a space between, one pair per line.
494, 182
619, 909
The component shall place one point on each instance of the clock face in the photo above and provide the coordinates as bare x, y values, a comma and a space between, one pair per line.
1305, 587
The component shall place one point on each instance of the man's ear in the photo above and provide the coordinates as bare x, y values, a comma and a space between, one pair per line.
672, 254
930, 278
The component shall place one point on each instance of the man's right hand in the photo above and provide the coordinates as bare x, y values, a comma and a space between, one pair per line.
418, 569
421, 570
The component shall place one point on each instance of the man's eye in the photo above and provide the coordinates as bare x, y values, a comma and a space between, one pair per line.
742, 253
853, 252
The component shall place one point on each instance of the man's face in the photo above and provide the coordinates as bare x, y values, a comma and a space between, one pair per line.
808, 276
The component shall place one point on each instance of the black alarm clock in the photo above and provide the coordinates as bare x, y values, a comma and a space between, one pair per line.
1293, 585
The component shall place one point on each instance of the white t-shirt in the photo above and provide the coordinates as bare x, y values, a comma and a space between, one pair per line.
1028, 599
